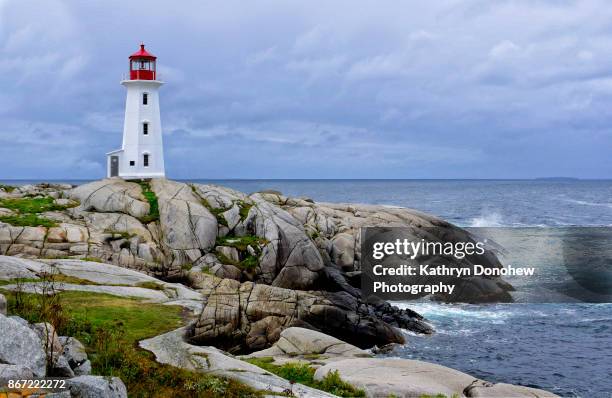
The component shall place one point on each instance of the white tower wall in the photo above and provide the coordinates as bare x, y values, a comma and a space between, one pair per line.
137, 144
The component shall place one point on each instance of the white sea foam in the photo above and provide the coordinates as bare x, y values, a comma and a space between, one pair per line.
439, 310
587, 203
493, 219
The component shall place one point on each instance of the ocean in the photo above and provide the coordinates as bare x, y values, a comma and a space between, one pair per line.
564, 347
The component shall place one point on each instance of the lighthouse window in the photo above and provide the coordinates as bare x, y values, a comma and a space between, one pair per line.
145, 160
145, 98
132, 163
145, 128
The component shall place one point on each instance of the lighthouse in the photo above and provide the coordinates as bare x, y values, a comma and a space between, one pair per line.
142, 152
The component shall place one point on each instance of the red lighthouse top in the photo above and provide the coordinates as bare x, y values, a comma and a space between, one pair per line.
142, 65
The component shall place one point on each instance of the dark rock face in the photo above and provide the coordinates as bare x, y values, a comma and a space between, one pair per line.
247, 317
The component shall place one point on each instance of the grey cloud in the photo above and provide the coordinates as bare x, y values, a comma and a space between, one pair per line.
315, 89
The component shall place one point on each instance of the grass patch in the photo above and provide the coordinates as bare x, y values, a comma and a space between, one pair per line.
93, 259
28, 220
217, 212
31, 205
27, 210
302, 373
153, 203
241, 242
151, 285
248, 261
17, 281
7, 188
244, 209
110, 328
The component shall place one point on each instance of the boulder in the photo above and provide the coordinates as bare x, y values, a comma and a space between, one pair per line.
83, 369
484, 389
15, 267
111, 195
61, 368
20, 345
48, 336
302, 344
406, 378
170, 348
230, 253
343, 250
290, 259
74, 351
14, 372
96, 387
300, 341
247, 317
187, 227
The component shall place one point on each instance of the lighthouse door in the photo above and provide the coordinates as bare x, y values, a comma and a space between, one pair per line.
114, 166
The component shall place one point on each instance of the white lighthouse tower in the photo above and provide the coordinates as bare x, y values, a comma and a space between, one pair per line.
142, 152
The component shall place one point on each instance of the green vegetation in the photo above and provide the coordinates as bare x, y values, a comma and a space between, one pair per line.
151, 285
28, 220
244, 209
241, 242
217, 212
110, 328
248, 261
187, 266
17, 281
31, 205
153, 203
299, 372
7, 188
93, 259
28, 209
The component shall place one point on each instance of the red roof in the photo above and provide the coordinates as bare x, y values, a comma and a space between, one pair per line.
142, 53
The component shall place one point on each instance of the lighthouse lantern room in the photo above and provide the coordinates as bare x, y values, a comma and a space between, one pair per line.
142, 153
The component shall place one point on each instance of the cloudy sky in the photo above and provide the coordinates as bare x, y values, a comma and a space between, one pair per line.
314, 89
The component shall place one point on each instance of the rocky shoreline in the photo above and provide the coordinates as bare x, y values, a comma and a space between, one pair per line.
260, 275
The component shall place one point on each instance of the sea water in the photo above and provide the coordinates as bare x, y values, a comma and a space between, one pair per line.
562, 347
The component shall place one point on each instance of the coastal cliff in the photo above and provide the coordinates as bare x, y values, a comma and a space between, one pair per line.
246, 267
